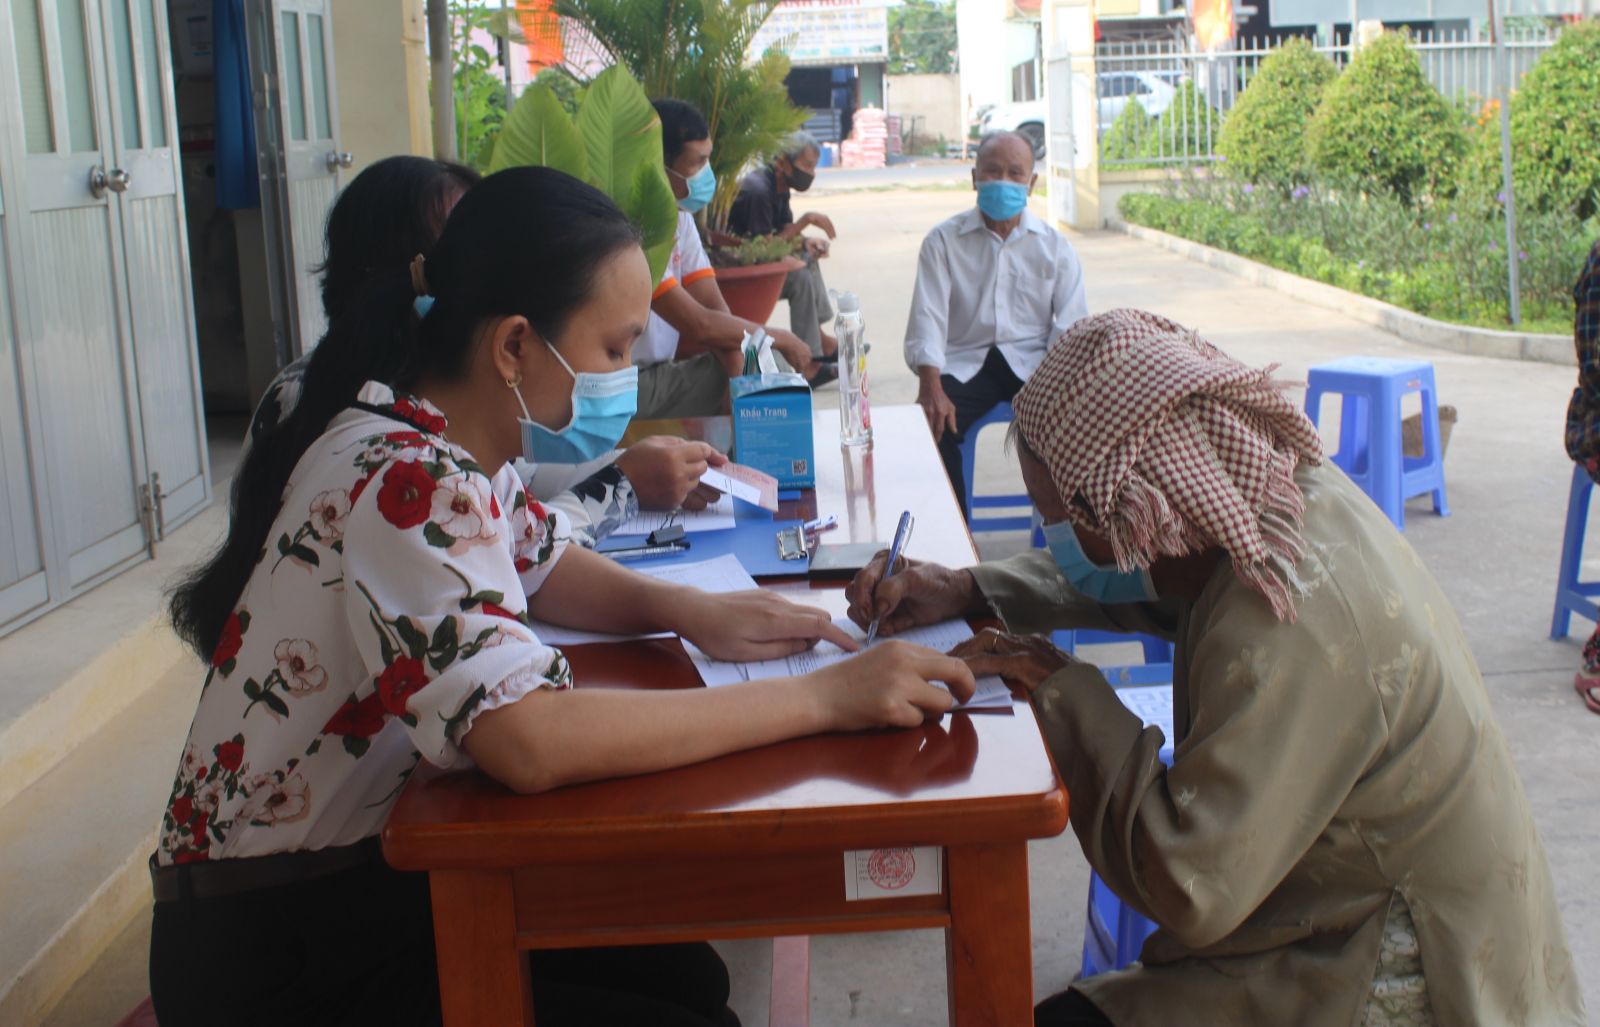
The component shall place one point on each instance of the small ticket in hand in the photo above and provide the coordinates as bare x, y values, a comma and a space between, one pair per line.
746, 483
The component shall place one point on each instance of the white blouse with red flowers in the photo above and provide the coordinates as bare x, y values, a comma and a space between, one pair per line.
389, 610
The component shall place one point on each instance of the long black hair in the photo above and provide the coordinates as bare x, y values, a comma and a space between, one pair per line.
680, 123
527, 242
391, 212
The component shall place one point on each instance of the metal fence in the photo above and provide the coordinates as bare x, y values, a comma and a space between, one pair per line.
1181, 96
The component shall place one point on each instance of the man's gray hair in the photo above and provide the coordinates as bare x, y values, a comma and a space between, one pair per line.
798, 143
993, 138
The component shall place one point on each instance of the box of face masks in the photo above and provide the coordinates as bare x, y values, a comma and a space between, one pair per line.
772, 427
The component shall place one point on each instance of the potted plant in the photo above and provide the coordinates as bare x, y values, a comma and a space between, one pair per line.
750, 275
614, 144
697, 51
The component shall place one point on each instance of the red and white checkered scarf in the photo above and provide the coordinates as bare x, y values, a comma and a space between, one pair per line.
1173, 447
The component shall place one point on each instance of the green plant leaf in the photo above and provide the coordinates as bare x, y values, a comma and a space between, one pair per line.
619, 130
655, 212
275, 703
437, 536
539, 133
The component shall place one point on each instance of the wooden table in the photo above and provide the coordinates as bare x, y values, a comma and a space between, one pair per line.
753, 844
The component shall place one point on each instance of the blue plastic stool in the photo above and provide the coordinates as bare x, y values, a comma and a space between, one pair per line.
1574, 596
1370, 450
1001, 414
1156, 650
1113, 931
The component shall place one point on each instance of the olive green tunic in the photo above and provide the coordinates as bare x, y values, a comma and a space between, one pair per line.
1322, 767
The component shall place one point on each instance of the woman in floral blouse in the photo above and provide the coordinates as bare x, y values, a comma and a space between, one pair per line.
369, 609
394, 210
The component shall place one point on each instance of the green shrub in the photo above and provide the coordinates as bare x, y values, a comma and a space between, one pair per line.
1186, 129
1382, 124
1447, 262
1128, 133
1555, 123
1263, 140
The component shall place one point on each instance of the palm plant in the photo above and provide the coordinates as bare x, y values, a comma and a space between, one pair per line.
614, 144
696, 51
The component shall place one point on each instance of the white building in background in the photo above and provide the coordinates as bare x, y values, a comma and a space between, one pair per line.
1000, 53
839, 52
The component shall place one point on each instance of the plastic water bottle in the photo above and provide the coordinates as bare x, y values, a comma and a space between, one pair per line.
855, 415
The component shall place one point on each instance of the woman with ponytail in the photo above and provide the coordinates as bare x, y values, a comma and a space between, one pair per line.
370, 609
391, 212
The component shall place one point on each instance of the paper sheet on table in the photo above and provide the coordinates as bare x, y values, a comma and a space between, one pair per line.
723, 574
746, 483
716, 517
991, 694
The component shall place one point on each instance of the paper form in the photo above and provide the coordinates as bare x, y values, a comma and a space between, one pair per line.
715, 517
992, 693
723, 574
746, 483
1153, 705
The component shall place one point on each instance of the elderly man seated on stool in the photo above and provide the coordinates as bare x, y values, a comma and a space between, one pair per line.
995, 285
762, 208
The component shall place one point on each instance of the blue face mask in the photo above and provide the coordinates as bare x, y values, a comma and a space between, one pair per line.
602, 406
702, 187
1102, 584
1002, 200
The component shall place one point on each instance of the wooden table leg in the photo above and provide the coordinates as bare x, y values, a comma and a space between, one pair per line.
988, 948
483, 977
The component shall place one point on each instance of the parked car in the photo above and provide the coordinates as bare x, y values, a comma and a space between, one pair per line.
1027, 118
1153, 90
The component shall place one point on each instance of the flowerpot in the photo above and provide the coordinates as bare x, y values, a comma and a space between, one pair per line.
752, 291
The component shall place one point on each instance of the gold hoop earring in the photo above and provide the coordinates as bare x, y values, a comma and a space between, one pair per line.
512, 383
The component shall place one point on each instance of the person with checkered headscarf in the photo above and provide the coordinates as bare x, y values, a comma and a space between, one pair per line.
1341, 837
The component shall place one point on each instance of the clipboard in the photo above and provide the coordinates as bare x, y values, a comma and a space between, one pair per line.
753, 540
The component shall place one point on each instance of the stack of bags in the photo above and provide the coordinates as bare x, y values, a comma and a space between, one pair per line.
868, 144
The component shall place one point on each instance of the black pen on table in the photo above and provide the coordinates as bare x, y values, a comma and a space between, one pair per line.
902, 538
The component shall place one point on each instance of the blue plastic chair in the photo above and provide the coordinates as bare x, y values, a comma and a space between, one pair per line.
1370, 449
1001, 414
1156, 650
1574, 596
1114, 932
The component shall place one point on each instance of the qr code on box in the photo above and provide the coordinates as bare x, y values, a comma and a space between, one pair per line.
801, 466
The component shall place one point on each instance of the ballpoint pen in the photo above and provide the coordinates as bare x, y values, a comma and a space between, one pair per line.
902, 538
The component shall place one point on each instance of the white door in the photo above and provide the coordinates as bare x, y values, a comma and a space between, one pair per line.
292, 46
1062, 155
76, 344
23, 586
155, 250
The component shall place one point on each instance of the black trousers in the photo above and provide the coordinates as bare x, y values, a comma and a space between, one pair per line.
1068, 1009
356, 948
992, 385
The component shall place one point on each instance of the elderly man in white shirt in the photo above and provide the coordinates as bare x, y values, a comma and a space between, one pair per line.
995, 286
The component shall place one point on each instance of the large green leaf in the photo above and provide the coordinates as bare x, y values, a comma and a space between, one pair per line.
538, 132
653, 208
619, 129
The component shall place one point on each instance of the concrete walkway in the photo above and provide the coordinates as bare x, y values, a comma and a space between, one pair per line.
1496, 558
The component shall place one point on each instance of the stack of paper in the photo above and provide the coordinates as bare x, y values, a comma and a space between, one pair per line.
991, 694
716, 516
